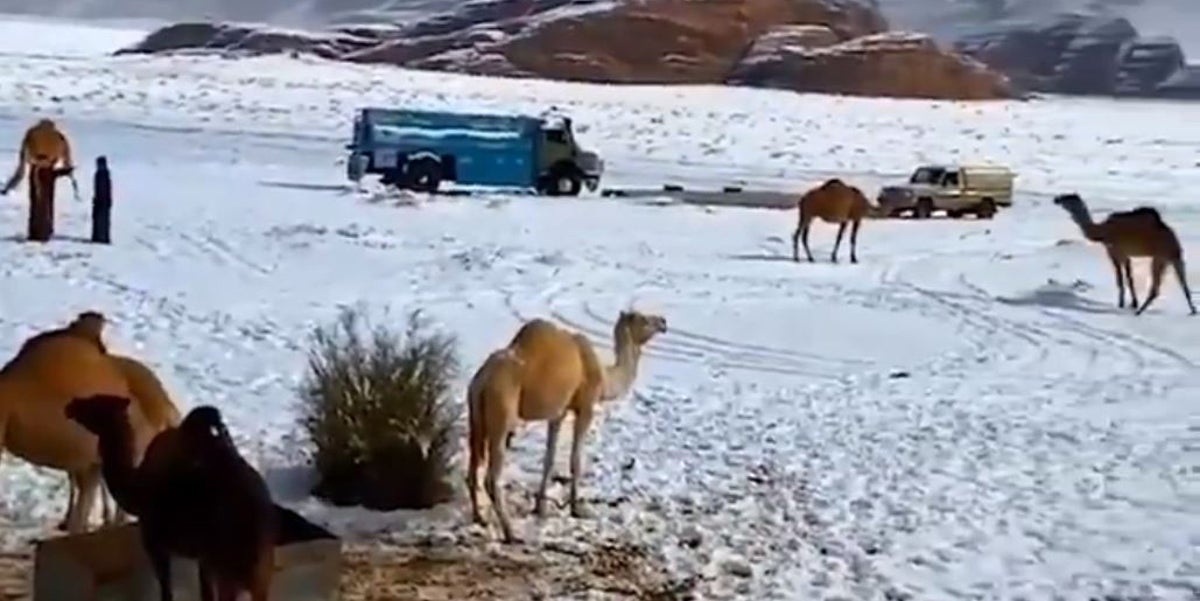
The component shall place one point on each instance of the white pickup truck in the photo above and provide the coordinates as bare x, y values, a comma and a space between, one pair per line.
957, 190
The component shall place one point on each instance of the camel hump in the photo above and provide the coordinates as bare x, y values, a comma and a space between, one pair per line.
1148, 213
148, 389
534, 329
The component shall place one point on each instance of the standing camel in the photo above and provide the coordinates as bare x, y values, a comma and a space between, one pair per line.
35, 386
543, 374
43, 148
145, 387
1140, 232
833, 202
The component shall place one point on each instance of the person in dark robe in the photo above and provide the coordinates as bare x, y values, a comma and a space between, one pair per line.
102, 203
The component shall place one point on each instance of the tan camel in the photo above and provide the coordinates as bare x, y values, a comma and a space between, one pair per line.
49, 370
145, 387
43, 145
833, 202
1140, 232
543, 374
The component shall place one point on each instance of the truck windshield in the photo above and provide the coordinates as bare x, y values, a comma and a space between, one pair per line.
926, 175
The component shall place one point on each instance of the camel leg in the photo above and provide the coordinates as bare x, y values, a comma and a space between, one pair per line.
837, 243
88, 482
1129, 282
1120, 273
854, 240
227, 591
1182, 276
264, 571
804, 239
552, 429
1157, 267
160, 562
796, 239
477, 456
583, 421
206, 581
72, 499
494, 484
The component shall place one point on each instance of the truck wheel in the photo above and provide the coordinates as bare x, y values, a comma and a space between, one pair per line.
924, 208
423, 175
564, 181
987, 209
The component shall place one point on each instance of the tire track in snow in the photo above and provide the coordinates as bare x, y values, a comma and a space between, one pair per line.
666, 347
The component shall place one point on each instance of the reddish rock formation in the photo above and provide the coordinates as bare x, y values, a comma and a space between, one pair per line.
770, 43
896, 64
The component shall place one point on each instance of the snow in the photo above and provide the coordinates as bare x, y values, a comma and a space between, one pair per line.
963, 414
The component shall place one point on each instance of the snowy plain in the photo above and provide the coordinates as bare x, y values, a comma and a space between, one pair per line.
963, 415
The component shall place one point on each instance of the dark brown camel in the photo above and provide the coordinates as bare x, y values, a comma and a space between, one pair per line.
833, 202
1140, 232
195, 496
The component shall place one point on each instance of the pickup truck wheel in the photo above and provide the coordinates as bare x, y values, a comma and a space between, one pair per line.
986, 209
924, 208
564, 182
423, 175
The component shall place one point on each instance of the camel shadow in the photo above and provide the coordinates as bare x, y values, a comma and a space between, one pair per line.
1059, 297
343, 188
19, 238
290, 484
759, 257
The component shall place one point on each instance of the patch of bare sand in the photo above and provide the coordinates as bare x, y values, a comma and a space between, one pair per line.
607, 571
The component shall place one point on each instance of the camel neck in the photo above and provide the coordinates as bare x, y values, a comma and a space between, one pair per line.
620, 376
1083, 218
116, 456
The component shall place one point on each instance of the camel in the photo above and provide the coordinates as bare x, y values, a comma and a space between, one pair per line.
195, 497
144, 386
543, 374
44, 146
47, 371
833, 202
1140, 232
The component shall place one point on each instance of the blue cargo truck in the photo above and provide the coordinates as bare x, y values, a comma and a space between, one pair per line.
418, 150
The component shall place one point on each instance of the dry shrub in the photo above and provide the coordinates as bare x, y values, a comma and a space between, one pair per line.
377, 408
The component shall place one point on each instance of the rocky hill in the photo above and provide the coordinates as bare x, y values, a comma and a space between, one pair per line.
1080, 54
836, 46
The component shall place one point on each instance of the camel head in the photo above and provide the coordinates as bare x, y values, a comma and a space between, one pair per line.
640, 327
90, 323
1069, 202
204, 424
99, 414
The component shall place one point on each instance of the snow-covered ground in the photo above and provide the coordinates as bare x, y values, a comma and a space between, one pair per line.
962, 415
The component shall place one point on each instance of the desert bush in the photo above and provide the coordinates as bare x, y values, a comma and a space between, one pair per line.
377, 408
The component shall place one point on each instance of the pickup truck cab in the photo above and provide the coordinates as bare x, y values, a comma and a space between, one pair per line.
957, 190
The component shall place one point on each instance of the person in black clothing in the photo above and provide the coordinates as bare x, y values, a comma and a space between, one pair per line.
101, 203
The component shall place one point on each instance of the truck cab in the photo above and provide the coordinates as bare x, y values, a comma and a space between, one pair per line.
955, 189
562, 163
420, 149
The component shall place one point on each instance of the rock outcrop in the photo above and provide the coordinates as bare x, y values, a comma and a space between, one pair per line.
887, 64
747, 42
1078, 54
250, 39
